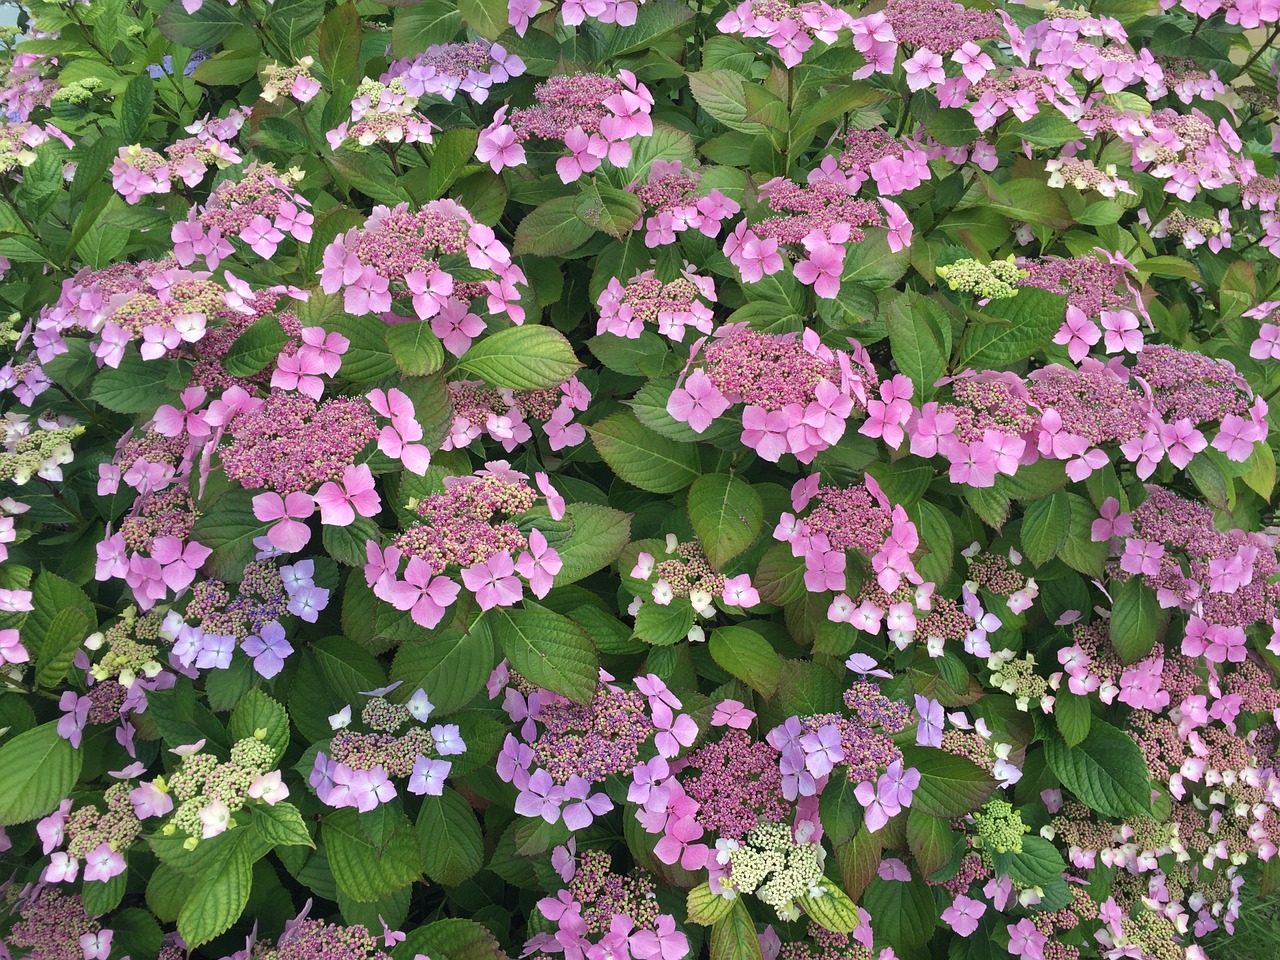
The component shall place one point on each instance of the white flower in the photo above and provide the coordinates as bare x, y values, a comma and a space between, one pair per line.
340, 719
420, 706
269, 788
216, 817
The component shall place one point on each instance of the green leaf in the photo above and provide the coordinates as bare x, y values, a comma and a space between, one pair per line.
454, 939
424, 25
840, 811
1134, 620
726, 514
449, 836
1177, 268
451, 667
1032, 201
258, 712
1030, 320
599, 535
643, 458
920, 346
721, 94
255, 348
991, 506
137, 933
931, 841
832, 105
341, 36
780, 576
608, 209
872, 265
667, 143
954, 128
706, 908
1037, 865
40, 768
291, 22
655, 19
547, 649
1260, 470
65, 635
230, 68
1080, 552
1073, 716
858, 862
1046, 525
281, 825
136, 386
219, 895
101, 244
366, 872
416, 350
51, 596
135, 107
903, 914
662, 625
367, 358
950, 786
530, 357
204, 29
450, 153
180, 718
347, 667
552, 229
486, 17
1106, 771
806, 688
228, 527
346, 545
745, 654
831, 909
733, 937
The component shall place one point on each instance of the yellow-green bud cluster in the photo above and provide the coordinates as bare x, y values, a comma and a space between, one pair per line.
384, 716
124, 658
118, 826
202, 781
14, 152
1000, 827
996, 280
10, 329
374, 90
37, 451
1156, 935
81, 91
279, 80
188, 779
1179, 224
777, 869
186, 818
1017, 677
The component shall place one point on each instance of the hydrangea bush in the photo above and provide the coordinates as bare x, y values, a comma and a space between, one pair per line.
638, 479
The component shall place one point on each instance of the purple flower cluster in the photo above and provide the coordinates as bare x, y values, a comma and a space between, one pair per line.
400, 253
797, 392
468, 530
671, 194
790, 28
358, 769
595, 116
625, 310
503, 415
447, 69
